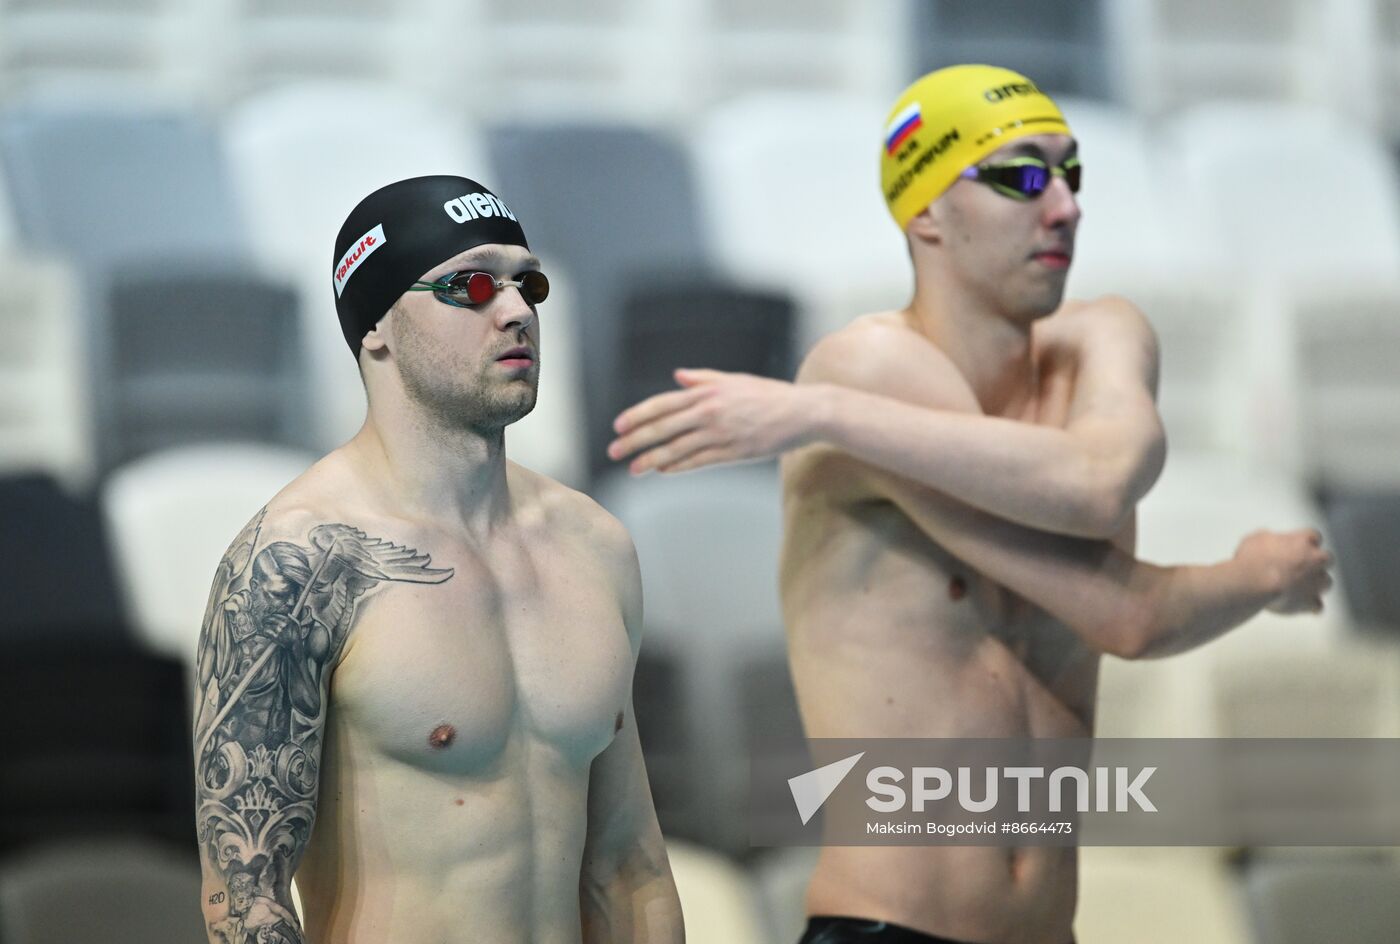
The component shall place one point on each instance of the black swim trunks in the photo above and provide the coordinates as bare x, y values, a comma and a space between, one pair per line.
830, 930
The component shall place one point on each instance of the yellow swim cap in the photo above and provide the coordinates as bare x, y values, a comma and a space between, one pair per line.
951, 119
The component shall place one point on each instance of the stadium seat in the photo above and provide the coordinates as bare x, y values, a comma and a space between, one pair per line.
114, 891
1172, 54
1350, 690
104, 747
1345, 339
180, 359
718, 903
1363, 526
718, 326
171, 515
1297, 902
58, 582
107, 187
1271, 215
789, 185
1059, 45
47, 426
708, 546
780, 878
1162, 898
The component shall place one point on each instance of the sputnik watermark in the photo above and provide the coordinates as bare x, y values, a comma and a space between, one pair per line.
1077, 791
889, 797
1116, 789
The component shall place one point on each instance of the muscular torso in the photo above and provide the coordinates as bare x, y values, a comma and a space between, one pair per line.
461, 723
890, 636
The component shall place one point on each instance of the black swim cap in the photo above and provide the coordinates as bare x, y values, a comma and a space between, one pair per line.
399, 232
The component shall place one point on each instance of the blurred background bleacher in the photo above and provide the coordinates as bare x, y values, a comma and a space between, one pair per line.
700, 179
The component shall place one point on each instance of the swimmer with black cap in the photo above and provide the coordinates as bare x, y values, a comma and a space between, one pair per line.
960, 483
474, 773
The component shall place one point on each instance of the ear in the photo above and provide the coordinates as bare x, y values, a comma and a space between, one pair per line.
925, 227
377, 338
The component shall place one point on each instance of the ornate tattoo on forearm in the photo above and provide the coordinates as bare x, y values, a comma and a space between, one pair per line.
275, 625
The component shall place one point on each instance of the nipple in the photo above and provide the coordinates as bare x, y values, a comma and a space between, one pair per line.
443, 736
957, 588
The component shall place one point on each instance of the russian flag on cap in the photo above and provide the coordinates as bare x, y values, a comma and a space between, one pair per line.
904, 124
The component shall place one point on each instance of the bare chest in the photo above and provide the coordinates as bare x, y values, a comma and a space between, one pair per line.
443, 677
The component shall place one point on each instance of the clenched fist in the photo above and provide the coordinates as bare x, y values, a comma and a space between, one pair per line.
1292, 564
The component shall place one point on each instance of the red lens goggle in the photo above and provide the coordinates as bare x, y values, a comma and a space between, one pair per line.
468, 289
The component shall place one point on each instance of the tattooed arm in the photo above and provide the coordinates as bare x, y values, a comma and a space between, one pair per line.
257, 738
280, 610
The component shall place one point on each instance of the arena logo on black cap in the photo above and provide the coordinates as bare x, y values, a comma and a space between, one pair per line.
471, 206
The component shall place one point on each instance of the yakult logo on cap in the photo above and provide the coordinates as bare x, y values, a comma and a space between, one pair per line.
471, 206
357, 254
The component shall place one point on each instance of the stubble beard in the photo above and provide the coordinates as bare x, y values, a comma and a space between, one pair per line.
461, 395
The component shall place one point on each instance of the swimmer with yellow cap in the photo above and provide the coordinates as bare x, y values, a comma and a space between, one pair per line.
949, 120
960, 480
979, 169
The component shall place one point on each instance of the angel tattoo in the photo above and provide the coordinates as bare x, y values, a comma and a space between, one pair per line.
275, 623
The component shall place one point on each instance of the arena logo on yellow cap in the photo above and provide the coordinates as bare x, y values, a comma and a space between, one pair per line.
949, 120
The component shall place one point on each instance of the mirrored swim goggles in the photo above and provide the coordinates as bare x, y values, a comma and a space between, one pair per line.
469, 289
1025, 178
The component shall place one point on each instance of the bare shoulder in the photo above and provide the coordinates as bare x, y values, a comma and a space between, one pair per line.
570, 514
322, 495
1112, 316
859, 349
291, 514
885, 354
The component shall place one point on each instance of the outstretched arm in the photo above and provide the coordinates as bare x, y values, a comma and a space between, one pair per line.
1116, 603
888, 397
626, 892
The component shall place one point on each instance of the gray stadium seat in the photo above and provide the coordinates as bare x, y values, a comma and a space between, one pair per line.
1060, 44
106, 187
43, 372
191, 357
719, 904
57, 581
708, 546
1158, 895
700, 325
171, 514
1363, 528
115, 892
100, 746
1301, 903
659, 697
780, 878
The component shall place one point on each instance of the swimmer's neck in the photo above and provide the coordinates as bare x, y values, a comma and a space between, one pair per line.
432, 472
991, 350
